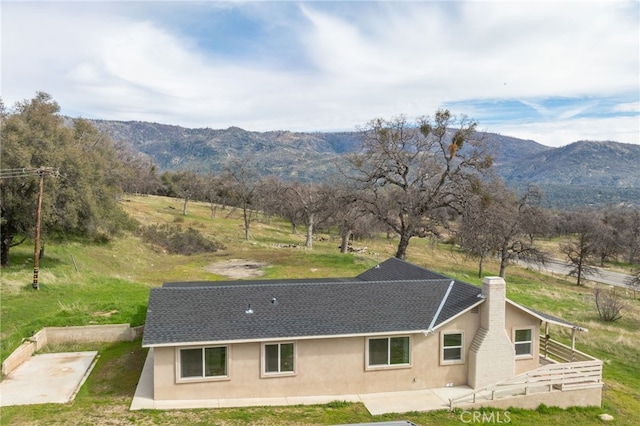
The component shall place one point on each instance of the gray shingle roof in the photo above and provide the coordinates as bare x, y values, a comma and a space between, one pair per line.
394, 268
405, 300
549, 318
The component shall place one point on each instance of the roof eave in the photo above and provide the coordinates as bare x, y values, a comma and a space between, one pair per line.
548, 320
284, 338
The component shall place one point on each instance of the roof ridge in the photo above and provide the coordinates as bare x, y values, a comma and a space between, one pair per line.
275, 284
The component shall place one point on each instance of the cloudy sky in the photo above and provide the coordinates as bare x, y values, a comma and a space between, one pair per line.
556, 71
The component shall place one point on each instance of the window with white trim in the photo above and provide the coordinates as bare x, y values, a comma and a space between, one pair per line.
452, 348
202, 363
523, 341
279, 358
389, 351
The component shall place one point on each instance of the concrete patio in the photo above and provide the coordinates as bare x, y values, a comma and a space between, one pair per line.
47, 378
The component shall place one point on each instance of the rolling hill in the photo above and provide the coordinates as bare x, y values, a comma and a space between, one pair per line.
579, 174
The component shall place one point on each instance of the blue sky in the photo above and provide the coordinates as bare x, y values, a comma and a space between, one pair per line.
555, 72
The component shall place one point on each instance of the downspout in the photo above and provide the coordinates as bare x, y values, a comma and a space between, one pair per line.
444, 300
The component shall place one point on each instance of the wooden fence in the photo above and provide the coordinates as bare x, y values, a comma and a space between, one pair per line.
553, 374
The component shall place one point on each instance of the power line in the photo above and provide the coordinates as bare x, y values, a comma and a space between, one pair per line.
26, 172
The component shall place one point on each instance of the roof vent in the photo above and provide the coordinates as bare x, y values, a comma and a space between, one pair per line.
274, 301
249, 310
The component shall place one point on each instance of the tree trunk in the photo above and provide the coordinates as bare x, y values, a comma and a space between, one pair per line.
345, 241
504, 260
402, 245
5, 243
184, 207
309, 242
579, 281
213, 211
480, 266
247, 223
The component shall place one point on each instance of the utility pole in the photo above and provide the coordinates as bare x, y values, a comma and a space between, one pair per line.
36, 249
41, 172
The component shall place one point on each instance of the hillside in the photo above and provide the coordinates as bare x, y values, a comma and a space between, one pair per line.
579, 174
584, 173
599, 164
288, 155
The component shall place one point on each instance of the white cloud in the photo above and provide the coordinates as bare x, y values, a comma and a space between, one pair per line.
628, 107
564, 132
357, 61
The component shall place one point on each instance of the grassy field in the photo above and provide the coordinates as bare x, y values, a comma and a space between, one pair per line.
109, 283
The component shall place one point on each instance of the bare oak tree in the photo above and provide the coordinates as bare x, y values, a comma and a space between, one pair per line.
185, 184
310, 202
347, 214
581, 248
497, 221
474, 233
243, 178
414, 171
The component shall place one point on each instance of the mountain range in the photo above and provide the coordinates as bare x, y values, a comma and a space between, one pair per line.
582, 173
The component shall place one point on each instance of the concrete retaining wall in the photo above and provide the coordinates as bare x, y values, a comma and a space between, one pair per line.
564, 399
89, 334
61, 335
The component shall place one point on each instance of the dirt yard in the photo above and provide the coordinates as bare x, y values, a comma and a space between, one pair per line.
237, 268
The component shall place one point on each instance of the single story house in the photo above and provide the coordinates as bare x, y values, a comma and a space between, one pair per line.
395, 327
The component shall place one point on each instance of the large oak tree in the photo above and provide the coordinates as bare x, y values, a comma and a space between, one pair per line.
413, 172
82, 200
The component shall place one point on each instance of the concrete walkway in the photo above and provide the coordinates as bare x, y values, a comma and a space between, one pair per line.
376, 403
47, 378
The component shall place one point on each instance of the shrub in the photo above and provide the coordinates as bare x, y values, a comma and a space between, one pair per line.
101, 238
176, 241
609, 304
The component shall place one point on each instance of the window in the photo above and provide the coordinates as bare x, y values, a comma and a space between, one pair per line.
523, 342
199, 363
279, 358
389, 351
451, 348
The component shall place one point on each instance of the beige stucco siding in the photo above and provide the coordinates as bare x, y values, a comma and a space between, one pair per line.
337, 366
323, 367
517, 319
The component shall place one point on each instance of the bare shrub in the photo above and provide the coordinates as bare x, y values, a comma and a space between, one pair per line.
609, 304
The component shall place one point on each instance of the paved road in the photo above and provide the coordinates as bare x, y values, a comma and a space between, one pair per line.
601, 276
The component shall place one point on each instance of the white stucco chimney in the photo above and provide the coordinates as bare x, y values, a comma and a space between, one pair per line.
491, 354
